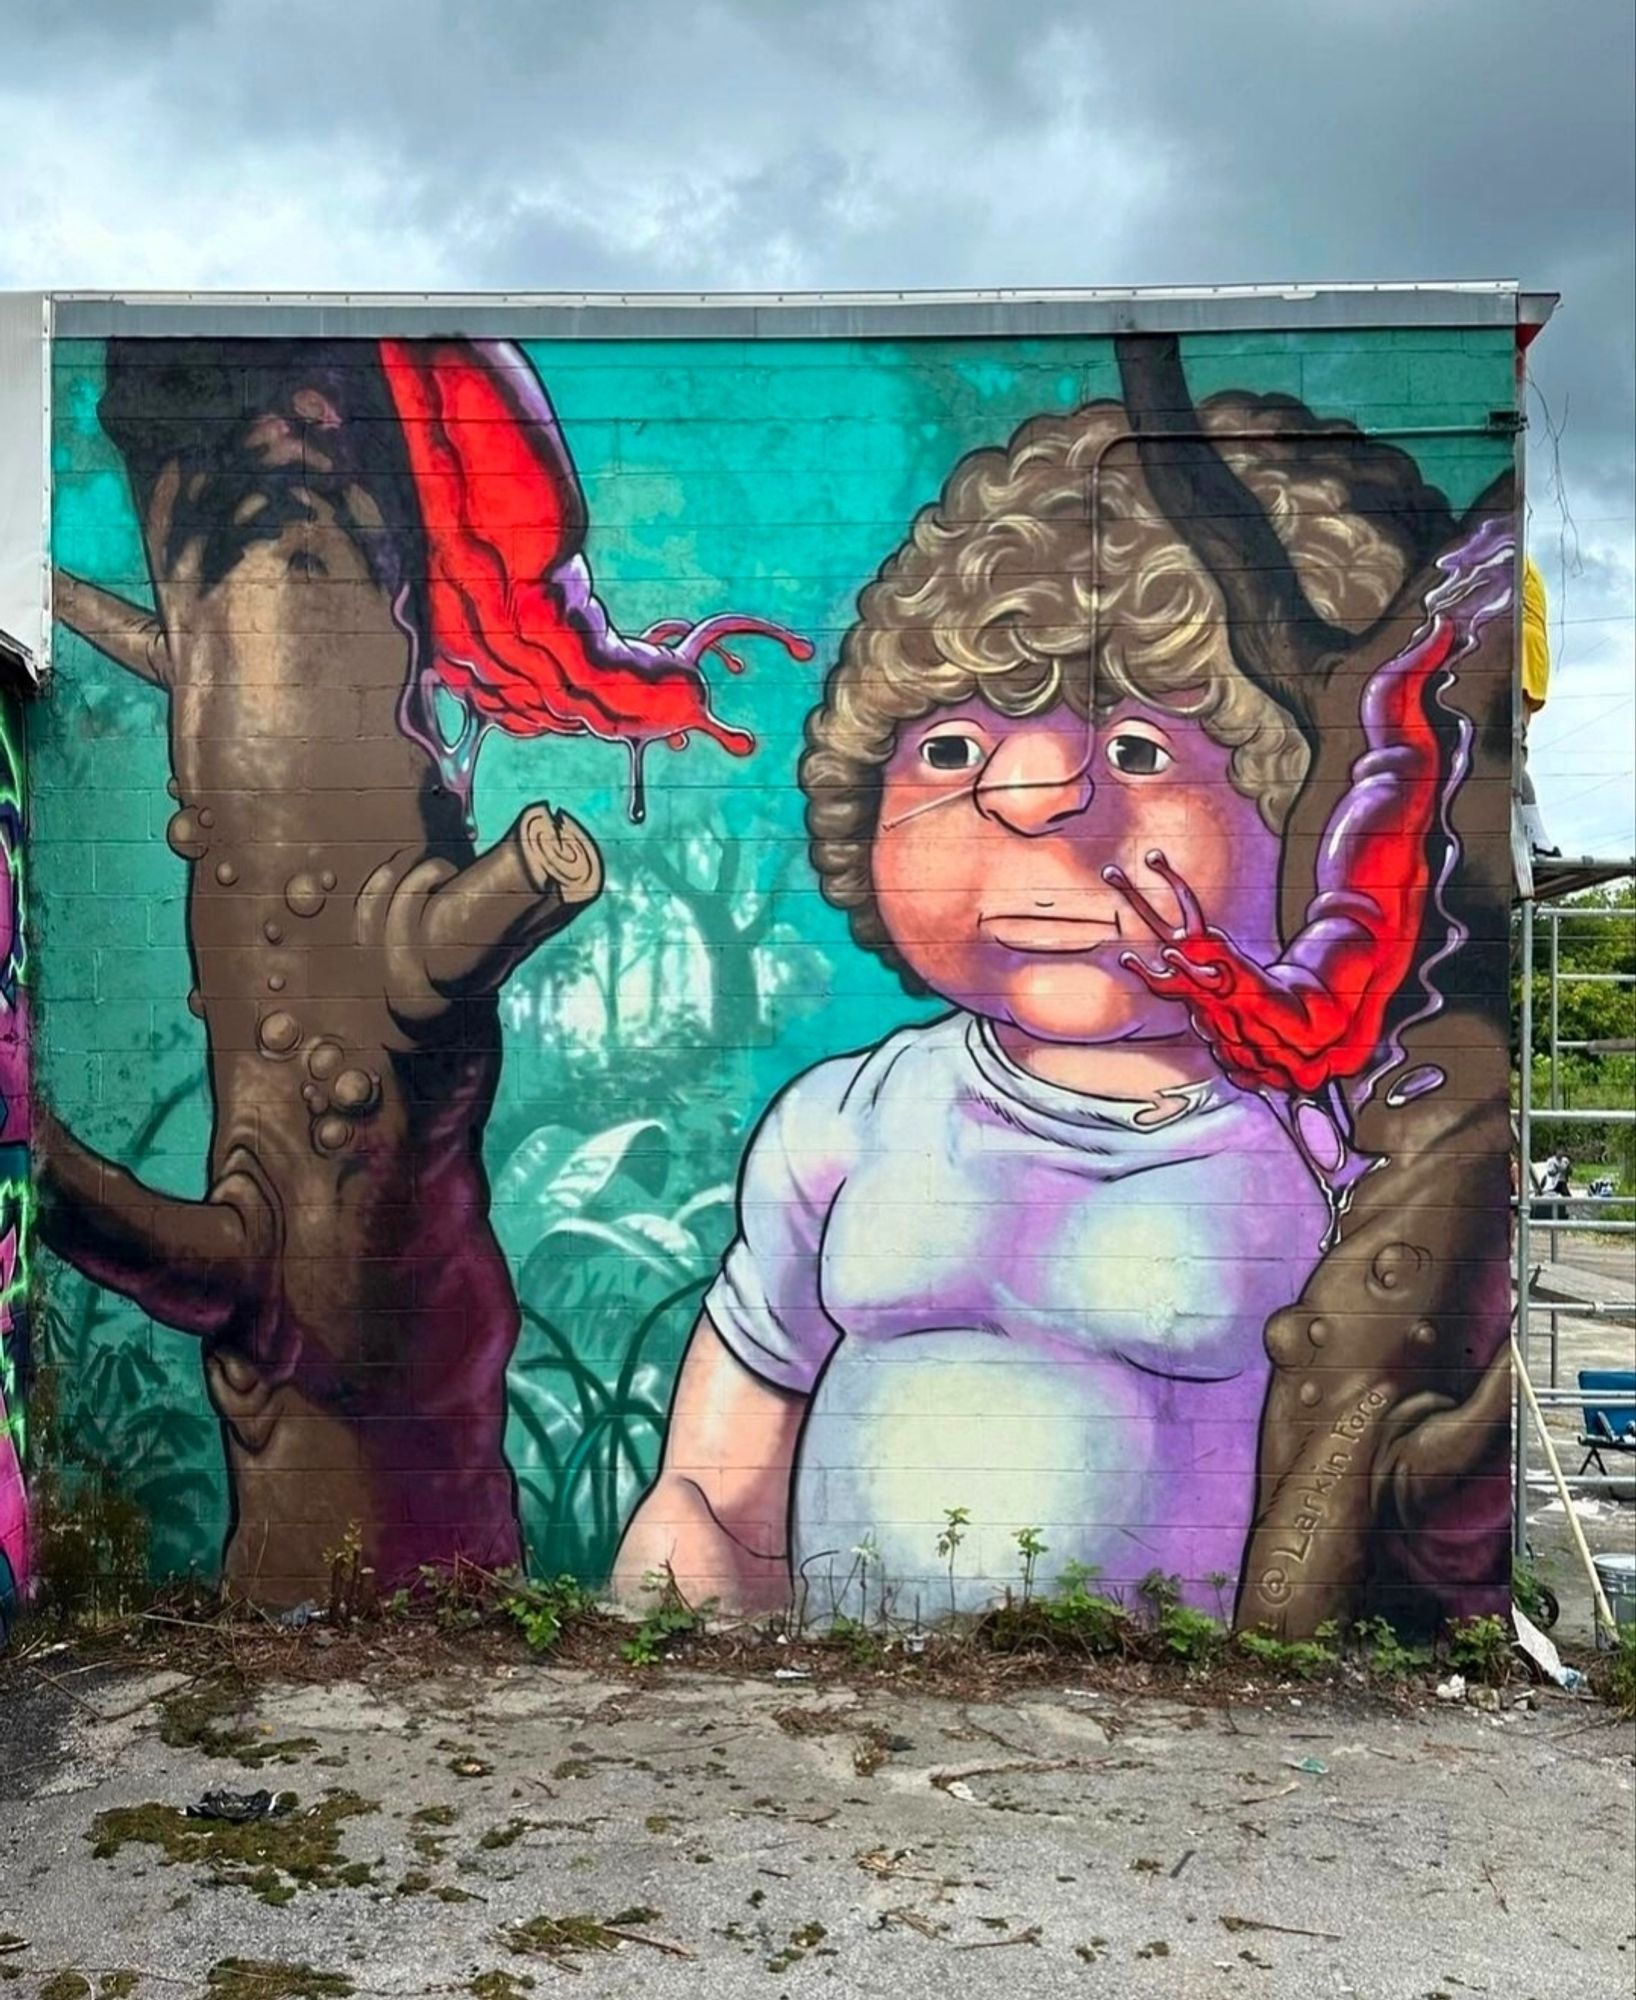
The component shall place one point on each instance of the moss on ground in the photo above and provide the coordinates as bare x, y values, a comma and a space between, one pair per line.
559, 1937
196, 1718
501, 1985
274, 1979
428, 1845
271, 1857
807, 1938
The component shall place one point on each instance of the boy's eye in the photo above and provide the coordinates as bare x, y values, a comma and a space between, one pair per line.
1138, 756
952, 753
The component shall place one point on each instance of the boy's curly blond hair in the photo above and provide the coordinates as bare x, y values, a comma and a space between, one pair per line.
1007, 591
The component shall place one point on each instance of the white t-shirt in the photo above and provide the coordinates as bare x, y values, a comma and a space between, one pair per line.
1009, 1297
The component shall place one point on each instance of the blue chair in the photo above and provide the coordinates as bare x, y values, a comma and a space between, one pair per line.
1607, 1429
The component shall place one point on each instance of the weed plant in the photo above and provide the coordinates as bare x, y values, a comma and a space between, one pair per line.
1480, 1648
1294, 1659
1616, 1681
669, 1618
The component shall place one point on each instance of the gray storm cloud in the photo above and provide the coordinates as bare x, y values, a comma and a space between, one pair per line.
793, 143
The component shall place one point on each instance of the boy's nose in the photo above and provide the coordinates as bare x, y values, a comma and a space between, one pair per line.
1036, 780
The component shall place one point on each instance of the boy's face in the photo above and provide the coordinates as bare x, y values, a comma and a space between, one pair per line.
992, 838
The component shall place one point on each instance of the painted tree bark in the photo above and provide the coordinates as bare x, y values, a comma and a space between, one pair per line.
1382, 1479
348, 942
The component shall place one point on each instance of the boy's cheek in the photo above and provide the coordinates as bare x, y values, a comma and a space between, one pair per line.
936, 931
916, 873
1161, 817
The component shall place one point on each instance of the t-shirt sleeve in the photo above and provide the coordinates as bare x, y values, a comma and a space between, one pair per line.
767, 1304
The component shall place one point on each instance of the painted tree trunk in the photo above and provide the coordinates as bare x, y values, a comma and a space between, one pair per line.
1383, 1461
348, 945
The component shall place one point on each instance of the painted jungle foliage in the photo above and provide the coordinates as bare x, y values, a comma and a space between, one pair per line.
706, 955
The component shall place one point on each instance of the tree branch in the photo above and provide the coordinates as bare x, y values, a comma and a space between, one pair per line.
131, 637
728, 867
1451, 1443
754, 929
198, 1266
660, 864
464, 932
1275, 634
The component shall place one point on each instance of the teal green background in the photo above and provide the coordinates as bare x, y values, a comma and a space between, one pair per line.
764, 477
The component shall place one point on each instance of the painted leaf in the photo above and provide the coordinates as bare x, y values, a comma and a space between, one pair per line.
557, 1172
532, 1166
591, 1165
547, 1424
719, 1196
625, 1242
666, 1233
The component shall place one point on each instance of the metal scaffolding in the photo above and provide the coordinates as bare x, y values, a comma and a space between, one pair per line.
1542, 886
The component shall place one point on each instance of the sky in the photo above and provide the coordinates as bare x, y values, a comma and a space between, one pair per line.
630, 145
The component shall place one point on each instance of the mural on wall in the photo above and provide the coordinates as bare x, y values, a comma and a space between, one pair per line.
1140, 829
340, 542
1146, 754
14, 1180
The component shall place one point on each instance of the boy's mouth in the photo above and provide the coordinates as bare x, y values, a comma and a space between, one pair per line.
1049, 931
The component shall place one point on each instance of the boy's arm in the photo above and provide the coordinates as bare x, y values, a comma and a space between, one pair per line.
718, 1514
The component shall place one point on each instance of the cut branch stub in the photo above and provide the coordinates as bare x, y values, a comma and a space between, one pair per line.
451, 933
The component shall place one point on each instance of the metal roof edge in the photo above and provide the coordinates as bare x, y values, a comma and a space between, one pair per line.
1012, 312
1534, 310
16, 658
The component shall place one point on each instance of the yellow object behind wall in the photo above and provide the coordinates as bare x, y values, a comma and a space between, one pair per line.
1536, 645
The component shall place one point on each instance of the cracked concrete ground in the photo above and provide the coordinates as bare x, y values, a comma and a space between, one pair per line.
751, 1837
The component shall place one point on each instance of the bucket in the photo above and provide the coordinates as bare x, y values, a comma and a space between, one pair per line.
1618, 1579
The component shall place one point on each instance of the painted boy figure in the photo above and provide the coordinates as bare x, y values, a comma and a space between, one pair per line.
1022, 1260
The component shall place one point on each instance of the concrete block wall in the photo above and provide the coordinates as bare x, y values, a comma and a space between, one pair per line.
1021, 1062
